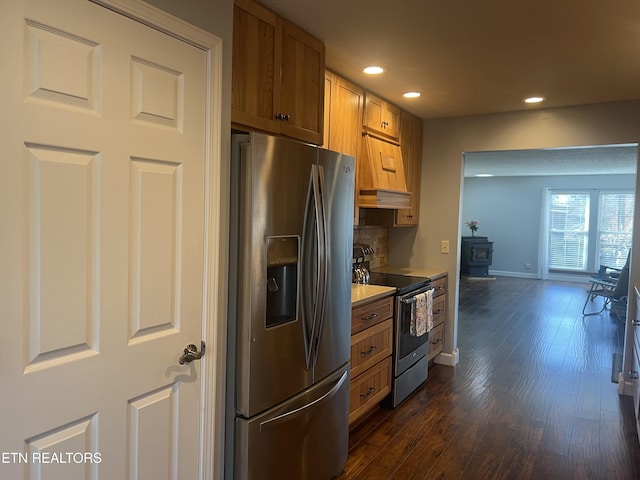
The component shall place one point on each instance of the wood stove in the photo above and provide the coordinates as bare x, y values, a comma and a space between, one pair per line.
477, 255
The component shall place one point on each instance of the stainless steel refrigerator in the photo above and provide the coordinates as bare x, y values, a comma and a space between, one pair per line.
290, 309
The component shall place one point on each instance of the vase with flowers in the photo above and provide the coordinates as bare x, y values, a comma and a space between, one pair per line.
473, 226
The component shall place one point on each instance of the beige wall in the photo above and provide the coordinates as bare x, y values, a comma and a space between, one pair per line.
446, 140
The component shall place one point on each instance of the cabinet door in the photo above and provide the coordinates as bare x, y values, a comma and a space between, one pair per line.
411, 145
330, 80
343, 121
255, 91
302, 85
381, 117
391, 120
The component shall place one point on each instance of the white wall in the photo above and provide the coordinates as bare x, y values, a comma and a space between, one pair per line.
509, 212
445, 142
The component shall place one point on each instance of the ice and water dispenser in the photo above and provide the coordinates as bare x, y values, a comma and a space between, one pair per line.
282, 280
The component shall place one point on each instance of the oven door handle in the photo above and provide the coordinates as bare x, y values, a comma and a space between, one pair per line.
412, 298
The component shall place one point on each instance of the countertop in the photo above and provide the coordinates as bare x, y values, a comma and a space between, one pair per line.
366, 293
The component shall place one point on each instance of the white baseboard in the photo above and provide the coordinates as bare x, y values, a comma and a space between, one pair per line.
501, 273
448, 359
627, 390
562, 277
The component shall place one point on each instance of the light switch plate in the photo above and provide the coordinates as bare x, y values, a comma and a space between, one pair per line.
444, 246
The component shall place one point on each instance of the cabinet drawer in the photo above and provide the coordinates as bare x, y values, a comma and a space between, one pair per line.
440, 286
368, 389
436, 338
370, 314
370, 346
439, 309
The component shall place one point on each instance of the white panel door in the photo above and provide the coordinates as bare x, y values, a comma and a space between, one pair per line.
102, 204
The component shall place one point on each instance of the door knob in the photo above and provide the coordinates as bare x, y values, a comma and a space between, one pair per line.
191, 353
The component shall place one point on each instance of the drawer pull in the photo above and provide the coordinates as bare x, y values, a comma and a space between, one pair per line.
370, 317
373, 347
365, 395
437, 342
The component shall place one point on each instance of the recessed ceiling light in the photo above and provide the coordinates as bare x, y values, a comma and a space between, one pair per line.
411, 94
373, 70
533, 100
484, 174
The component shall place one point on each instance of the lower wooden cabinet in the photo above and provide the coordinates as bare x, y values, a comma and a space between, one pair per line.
439, 309
368, 389
371, 348
436, 337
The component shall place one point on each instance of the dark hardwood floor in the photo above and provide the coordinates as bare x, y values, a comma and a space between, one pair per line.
531, 398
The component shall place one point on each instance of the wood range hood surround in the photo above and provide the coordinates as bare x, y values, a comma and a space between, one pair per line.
381, 177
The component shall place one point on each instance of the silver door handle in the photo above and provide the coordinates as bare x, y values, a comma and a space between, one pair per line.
191, 353
300, 410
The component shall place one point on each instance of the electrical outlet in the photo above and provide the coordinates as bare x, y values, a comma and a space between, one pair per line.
444, 246
527, 266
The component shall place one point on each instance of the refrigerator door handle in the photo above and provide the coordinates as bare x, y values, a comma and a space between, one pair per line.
290, 415
323, 262
311, 297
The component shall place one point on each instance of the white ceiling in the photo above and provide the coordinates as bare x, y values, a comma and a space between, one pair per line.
472, 57
619, 159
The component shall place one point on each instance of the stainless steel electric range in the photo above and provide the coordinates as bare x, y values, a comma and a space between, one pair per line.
410, 365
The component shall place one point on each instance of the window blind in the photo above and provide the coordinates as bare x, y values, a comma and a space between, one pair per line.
569, 230
615, 227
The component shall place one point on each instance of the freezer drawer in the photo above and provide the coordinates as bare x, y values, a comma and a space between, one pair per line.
305, 438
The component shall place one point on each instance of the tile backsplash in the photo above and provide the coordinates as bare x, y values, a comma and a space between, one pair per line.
376, 237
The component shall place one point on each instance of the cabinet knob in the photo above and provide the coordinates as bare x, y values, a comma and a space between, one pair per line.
282, 116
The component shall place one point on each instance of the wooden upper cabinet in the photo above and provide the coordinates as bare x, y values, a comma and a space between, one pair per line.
302, 82
381, 117
277, 75
343, 121
255, 74
343, 115
411, 145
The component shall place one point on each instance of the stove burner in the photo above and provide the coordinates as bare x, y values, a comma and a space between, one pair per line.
403, 283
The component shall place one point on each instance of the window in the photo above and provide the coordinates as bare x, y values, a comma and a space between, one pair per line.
587, 229
615, 227
568, 231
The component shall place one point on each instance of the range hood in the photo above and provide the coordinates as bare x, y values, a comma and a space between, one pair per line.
381, 177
